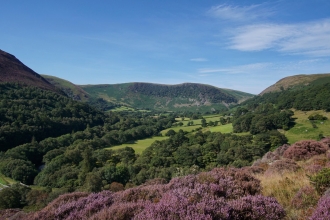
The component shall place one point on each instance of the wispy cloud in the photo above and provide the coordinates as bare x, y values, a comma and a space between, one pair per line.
240, 13
236, 69
198, 59
310, 38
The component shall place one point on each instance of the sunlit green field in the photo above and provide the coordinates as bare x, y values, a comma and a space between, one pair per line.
5, 180
139, 145
303, 129
122, 108
208, 118
222, 128
184, 128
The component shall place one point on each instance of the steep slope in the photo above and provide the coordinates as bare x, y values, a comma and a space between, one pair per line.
184, 96
296, 82
13, 70
303, 92
72, 90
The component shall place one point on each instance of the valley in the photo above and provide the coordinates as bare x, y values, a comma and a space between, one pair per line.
133, 146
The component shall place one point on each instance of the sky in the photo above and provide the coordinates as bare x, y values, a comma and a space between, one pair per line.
241, 45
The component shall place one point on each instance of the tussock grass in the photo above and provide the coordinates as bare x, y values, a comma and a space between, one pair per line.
284, 188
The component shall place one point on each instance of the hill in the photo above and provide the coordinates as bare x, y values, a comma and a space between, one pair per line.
72, 90
186, 96
13, 70
296, 82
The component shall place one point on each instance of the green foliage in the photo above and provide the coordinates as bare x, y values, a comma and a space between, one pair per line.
317, 117
20, 170
170, 132
181, 97
312, 97
13, 197
321, 180
28, 112
261, 118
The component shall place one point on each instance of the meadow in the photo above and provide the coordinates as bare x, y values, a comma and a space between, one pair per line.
304, 129
140, 145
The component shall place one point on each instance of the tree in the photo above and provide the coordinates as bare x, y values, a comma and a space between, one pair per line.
93, 182
170, 132
204, 124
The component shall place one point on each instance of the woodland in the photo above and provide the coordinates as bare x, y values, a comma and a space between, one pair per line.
57, 161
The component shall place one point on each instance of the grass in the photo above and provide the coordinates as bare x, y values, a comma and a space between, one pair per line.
122, 108
6, 180
284, 188
208, 118
184, 128
140, 145
228, 128
303, 129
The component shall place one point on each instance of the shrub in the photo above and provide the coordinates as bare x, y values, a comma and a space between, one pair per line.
322, 210
304, 150
306, 197
115, 187
218, 194
317, 117
321, 180
256, 207
282, 166
280, 150
325, 141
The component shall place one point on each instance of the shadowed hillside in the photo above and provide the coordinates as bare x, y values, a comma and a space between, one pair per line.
13, 70
184, 96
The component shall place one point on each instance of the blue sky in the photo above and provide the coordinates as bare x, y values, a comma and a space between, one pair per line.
242, 45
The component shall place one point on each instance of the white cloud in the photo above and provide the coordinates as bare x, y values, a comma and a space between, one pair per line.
236, 69
198, 59
237, 13
312, 38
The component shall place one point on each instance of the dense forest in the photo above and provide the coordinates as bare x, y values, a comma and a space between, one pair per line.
28, 113
312, 97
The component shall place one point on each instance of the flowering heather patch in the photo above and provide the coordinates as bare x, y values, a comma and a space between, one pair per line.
326, 141
81, 207
256, 207
218, 194
304, 150
306, 197
121, 211
322, 211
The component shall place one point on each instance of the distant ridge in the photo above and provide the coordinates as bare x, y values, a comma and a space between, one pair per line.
180, 97
14, 71
70, 89
295, 82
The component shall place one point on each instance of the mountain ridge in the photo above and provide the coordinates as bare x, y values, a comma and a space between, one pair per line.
294, 82
12, 70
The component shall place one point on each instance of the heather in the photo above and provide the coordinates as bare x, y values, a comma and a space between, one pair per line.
322, 211
299, 182
304, 150
217, 194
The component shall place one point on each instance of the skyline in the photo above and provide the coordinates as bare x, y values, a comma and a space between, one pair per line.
240, 45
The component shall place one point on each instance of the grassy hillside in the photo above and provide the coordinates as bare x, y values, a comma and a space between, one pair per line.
296, 82
69, 88
304, 129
